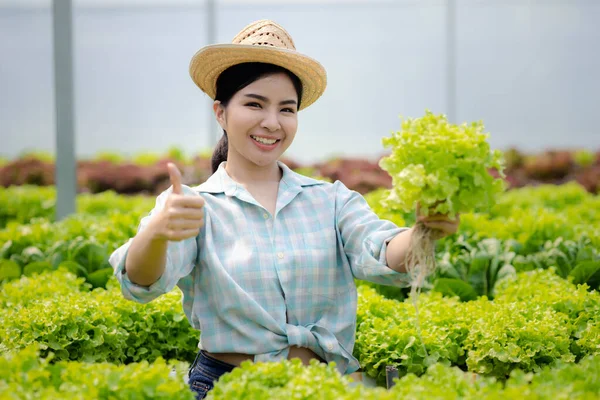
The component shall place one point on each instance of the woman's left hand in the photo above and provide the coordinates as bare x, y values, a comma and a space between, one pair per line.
441, 225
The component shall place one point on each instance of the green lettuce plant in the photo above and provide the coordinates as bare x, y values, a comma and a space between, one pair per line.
95, 326
25, 375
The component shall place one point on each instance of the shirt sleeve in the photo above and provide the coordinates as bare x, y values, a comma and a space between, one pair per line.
365, 237
180, 260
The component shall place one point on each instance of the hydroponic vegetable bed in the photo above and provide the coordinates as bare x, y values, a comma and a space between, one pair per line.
513, 310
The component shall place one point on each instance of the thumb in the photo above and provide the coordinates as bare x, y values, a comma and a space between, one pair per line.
175, 177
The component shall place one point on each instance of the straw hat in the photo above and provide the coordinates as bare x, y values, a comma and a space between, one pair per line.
261, 41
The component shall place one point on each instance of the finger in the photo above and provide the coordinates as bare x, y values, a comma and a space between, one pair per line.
432, 218
438, 218
177, 213
182, 224
196, 202
441, 224
177, 236
175, 177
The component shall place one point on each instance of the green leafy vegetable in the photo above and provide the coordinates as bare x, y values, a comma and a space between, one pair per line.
27, 376
455, 287
472, 270
95, 326
285, 380
434, 161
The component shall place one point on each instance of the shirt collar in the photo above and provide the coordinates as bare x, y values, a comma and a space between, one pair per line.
221, 182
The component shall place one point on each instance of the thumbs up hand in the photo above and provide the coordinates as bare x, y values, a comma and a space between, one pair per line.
182, 216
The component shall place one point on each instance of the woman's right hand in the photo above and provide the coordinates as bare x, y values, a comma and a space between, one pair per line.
182, 216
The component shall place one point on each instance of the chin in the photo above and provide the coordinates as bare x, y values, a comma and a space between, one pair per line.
263, 162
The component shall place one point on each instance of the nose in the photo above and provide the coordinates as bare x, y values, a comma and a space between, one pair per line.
270, 122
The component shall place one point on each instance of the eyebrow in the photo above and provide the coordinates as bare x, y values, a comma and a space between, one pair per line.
263, 98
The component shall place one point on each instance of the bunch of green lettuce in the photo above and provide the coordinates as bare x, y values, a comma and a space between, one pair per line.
443, 166
443, 382
27, 290
562, 381
536, 319
95, 326
289, 379
545, 288
386, 334
27, 376
507, 336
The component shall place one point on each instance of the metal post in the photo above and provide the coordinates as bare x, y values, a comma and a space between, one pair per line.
211, 36
451, 99
66, 168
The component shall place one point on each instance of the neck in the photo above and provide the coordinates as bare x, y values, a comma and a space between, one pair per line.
245, 172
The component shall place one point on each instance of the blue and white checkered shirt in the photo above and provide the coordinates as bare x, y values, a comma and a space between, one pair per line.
257, 283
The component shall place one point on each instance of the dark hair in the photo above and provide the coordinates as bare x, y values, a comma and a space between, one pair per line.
234, 79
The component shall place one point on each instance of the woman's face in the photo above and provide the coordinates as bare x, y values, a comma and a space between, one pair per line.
261, 119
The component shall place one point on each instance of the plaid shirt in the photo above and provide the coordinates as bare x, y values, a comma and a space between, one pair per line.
255, 283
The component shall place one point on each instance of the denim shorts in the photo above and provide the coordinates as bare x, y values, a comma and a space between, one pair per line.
204, 372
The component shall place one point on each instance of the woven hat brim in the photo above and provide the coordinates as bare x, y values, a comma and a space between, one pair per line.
209, 62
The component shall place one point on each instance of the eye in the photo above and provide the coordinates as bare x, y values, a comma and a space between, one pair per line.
290, 110
253, 104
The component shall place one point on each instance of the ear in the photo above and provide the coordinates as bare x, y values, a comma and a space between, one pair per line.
219, 111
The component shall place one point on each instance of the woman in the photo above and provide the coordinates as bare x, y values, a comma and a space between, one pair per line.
266, 258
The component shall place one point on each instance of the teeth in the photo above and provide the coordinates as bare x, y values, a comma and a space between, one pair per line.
264, 141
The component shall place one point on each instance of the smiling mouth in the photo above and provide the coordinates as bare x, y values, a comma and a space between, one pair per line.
265, 141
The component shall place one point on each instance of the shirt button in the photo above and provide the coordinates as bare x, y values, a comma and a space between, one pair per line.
329, 347
280, 255
266, 216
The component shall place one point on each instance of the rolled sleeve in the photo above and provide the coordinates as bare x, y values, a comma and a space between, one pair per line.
365, 237
180, 260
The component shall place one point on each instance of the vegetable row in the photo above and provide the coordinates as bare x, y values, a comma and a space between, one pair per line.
536, 319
